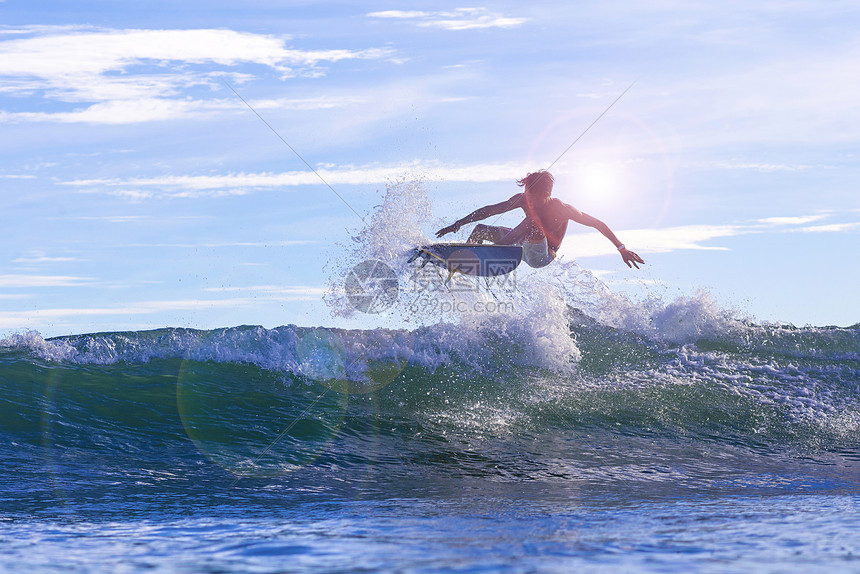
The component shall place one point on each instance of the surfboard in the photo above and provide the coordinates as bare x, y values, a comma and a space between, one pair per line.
472, 259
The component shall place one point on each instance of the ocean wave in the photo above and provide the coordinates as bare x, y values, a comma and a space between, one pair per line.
560, 355
758, 380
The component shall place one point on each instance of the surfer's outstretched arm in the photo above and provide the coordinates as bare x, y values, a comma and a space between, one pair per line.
629, 257
482, 213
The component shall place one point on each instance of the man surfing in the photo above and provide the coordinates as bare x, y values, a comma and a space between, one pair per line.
543, 229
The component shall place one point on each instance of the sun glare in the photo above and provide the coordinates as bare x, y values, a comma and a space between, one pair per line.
597, 184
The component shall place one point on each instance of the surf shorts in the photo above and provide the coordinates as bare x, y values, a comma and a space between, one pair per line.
534, 254
537, 254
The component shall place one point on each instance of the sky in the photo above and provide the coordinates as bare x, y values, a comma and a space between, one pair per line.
146, 182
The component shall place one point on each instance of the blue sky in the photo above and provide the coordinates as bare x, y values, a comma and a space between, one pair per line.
140, 192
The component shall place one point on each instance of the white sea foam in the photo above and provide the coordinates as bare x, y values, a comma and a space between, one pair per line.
32, 341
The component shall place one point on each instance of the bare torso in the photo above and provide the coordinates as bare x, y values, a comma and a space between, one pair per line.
545, 217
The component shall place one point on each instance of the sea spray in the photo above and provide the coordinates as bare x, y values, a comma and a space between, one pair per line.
388, 235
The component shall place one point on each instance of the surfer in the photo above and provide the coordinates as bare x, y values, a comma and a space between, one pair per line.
543, 229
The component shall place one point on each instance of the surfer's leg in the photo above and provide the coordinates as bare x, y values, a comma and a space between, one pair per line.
490, 233
518, 234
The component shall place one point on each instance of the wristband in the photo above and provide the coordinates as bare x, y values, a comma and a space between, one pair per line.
621, 247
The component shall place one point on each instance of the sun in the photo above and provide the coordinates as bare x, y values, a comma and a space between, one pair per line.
597, 184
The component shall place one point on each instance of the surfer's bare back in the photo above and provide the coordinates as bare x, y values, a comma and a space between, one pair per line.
543, 229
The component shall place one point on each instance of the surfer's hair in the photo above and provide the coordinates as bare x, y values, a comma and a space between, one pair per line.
538, 182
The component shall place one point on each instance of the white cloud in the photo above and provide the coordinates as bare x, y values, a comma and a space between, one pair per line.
189, 186
40, 317
752, 166
682, 237
643, 241
20, 281
695, 237
41, 258
221, 245
148, 109
457, 19
116, 112
122, 219
139, 75
792, 220
280, 292
23, 319
832, 228
404, 14
303, 104
92, 54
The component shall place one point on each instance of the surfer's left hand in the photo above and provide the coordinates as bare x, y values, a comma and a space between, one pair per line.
446, 230
631, 259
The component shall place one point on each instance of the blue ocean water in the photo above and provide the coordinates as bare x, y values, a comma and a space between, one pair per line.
664, 438
541, 423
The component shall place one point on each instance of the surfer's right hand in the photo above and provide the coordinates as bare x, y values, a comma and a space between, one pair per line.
446, 230
630, 258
